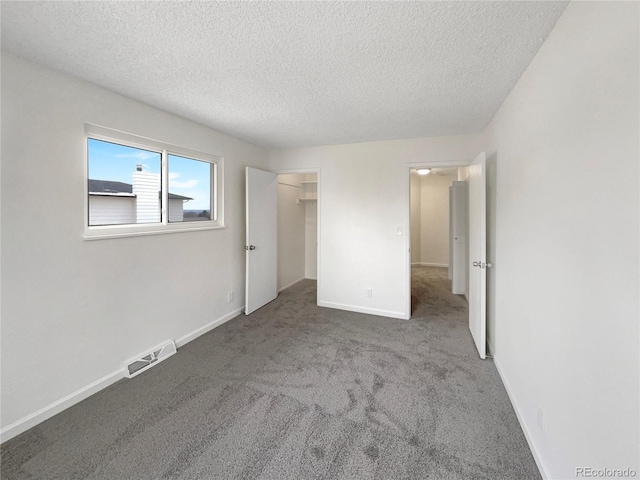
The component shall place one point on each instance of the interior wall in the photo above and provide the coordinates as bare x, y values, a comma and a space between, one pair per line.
564, 153
364, 195
74, 311
291, 230
434, 232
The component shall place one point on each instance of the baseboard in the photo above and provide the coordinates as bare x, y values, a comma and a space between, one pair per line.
311, 278
426, 264
491, 349
291, 284
24, 424
544, 472
182, 341
369, 311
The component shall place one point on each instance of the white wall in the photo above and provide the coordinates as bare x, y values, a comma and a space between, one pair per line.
434, 224
291, 230
73, 311
364, 198
564, 207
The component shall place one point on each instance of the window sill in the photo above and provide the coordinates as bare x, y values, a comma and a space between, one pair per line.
104, 233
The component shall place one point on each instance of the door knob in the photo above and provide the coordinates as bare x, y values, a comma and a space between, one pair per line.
250, 247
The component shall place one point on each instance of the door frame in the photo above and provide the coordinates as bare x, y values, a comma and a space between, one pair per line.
317, 171
408, 168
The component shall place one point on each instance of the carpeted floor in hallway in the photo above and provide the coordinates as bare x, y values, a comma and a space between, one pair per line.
295, 391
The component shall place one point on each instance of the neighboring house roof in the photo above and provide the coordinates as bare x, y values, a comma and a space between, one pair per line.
178, 197
109, 187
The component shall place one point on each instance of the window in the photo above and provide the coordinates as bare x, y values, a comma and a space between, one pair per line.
188, 176
124, 184
137, 186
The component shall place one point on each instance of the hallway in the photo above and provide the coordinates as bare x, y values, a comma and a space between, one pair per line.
431, 296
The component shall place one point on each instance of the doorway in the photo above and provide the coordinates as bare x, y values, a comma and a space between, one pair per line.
282, 232
297, 228
474, 173
437, 223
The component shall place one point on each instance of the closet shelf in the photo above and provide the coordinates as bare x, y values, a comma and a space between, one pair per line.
310, 195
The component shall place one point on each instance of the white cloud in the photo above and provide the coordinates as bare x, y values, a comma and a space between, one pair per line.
137, 155
173, 183
186, 184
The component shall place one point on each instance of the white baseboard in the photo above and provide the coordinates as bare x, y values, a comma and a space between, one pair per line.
182, 341
370, 311
291, 284
311, 278
33, 419
426, 264
544, 472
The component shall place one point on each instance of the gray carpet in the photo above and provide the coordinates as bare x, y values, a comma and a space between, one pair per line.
295, 391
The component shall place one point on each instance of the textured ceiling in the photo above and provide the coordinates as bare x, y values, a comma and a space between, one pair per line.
285, 74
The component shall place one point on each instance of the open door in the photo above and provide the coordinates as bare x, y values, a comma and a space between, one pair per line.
478, 253
261, 245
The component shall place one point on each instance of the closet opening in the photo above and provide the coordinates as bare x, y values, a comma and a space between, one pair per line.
297, 228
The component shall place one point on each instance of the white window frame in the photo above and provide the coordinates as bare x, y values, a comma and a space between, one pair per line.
97, 232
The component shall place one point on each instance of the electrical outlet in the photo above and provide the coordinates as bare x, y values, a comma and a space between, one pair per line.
369, 292
230, 296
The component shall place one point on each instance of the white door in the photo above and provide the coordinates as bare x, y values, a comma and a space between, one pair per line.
478, 253
261, 245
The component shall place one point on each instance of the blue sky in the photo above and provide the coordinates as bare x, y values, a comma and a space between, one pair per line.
187, 177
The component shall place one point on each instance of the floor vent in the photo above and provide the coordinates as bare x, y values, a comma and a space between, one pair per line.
148, 360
